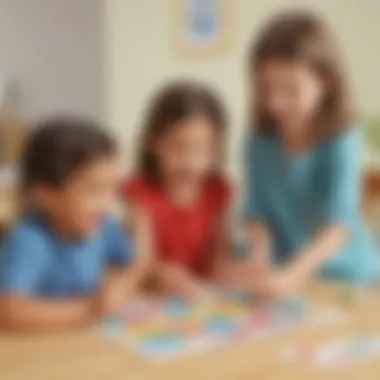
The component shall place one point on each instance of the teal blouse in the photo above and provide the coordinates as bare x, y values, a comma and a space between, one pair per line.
295, 196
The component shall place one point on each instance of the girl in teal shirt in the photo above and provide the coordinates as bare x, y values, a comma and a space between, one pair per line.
304, 199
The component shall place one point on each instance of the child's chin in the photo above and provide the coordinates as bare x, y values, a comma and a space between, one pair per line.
190, 178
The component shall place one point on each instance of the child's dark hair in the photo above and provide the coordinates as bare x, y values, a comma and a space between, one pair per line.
59, 146
303, 37
174, 103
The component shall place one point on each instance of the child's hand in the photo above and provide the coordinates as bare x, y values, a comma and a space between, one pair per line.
176, 279
259, 264
111, 298
240, 272
278, 284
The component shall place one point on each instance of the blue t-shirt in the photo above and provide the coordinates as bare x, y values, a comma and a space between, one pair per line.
295, 196
35, 261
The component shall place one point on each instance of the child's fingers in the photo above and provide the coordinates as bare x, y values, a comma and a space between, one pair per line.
190, 287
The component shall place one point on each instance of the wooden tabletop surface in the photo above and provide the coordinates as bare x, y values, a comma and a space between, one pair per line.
88, 355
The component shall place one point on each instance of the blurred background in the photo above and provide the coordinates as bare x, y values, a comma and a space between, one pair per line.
103, 58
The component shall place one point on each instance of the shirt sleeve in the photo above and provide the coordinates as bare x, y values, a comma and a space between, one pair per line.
118, 247
343, 200
253, 207
219, 195
23, 261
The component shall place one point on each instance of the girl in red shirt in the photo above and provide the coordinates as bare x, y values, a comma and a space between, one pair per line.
179, 197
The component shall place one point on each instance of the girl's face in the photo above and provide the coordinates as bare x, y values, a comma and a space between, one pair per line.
188, 151
289, 93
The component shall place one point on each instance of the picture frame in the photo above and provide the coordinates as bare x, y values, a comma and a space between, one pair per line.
203, 29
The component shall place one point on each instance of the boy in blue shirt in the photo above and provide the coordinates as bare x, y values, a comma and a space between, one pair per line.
53, 260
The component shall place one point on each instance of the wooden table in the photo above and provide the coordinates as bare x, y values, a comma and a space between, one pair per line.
88, 356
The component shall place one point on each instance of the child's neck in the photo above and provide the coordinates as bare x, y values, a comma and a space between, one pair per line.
297, 142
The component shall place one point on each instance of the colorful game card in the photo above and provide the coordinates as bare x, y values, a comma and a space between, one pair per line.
164, 328
336, 353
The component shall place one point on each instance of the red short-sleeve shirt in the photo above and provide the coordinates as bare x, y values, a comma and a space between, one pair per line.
183, 234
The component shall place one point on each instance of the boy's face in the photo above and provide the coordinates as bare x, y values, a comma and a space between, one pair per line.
88, 195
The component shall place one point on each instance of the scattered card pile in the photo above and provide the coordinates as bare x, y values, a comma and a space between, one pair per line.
166, 328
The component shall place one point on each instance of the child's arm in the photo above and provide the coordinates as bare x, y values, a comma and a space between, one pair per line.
170, 276
26, 313
128, 266
329, 241
257, 233
259, 241
246, 270
22, 312
288, 280
24, 259
118, 287
139, 226
222, 241
341, 207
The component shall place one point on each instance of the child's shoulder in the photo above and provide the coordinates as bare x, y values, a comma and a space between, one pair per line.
31, 226
141, 190
112, 225
345, 142
139, 185
219, 189
30, 233
219, 183
347, 136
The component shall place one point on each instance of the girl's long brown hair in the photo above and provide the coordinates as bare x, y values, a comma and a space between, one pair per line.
174, 103
302, 37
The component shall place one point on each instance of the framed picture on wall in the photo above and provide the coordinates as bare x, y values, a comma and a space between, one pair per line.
203, 28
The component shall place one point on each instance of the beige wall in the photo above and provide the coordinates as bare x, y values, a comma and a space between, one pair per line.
140, 56
53, 52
